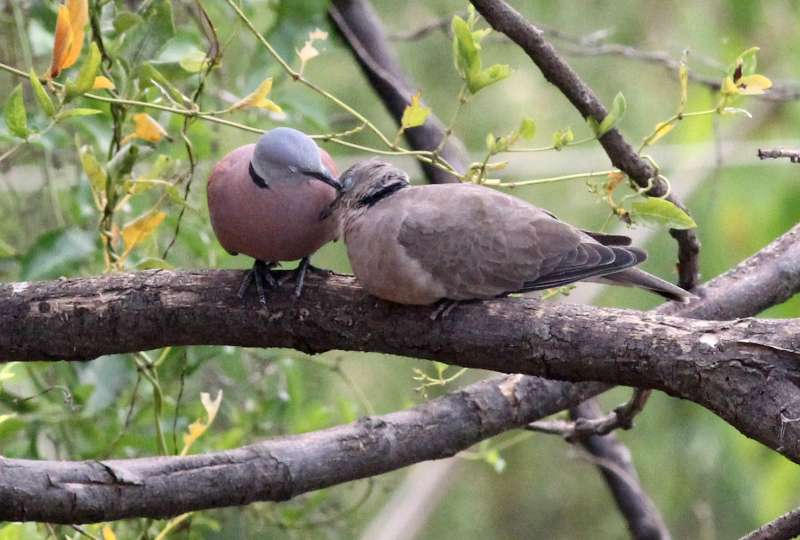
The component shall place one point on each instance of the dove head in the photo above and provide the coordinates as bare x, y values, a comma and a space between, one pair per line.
366, 183
287, 155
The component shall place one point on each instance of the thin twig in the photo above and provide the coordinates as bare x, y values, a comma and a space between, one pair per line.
777, 153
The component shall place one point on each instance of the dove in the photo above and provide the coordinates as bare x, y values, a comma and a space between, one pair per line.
447, 243
265, 200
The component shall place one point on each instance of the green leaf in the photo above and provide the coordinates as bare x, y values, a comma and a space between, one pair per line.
527, 129
110, 376
490, 143
6, 251
154, 263
15, 115
57, 252
662, 212
194, 61
41, 94
77, 112
465, 50
478, 81
86, 75
126, 20
94, 171
415, 114
562, 138
618, 107
19, 531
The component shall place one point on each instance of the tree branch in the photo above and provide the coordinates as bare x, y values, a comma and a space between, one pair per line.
759, 273
361, 29
776, 153
784, 527
503, 18
641, 515
276, 469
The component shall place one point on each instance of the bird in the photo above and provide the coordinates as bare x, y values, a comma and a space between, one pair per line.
265, 200
448, 243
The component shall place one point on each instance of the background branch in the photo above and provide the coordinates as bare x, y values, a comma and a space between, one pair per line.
503, 18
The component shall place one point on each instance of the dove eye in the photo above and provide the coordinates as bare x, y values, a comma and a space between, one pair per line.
347, 183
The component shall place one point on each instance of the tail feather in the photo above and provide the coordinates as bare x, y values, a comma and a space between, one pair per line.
634, 277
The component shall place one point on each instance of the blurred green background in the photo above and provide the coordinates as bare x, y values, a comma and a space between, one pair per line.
707, 479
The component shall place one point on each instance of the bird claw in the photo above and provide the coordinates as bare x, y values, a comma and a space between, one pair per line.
443, 309
262, 275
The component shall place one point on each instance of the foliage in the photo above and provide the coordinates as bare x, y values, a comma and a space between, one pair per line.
112, 118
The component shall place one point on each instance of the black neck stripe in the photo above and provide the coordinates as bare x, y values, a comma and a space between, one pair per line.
260, 182
381, 194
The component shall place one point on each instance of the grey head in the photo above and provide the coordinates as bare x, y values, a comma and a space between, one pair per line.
287, 155
368, 182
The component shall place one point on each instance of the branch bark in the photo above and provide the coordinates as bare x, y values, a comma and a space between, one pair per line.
503, 18
776, 268
361, 29
784, 527
744, 370
277, 469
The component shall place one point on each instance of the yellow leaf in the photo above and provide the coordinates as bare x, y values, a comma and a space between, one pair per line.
751, 85
415, 114
662, 128
140, 228
211, 407
258, 98
61, 42
108, 534
614, 179
146, 129
683, 77
78, 16
102, 83
728, 87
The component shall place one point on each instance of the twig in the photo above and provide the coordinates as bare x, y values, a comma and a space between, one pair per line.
777, 153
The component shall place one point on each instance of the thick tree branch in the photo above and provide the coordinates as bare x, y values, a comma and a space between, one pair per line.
549, 395
277, 469
503, 18
361, 29
744, 370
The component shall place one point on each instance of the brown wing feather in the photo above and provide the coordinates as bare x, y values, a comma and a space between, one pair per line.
480, 243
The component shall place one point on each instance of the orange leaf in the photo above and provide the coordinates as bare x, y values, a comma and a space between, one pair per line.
62, 42
146, 129
102, 83
79, 16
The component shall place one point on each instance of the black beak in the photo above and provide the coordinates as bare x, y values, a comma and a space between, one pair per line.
326, 178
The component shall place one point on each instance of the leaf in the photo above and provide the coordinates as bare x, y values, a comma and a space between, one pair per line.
616, 113
4, 417
102, 83
258, 98
56, 253
662, 212
478, 81
98, 178
154, 263
661, 129
6, 251
126, 20
146, 129
728, 87
194, 61
108, 534
15, 114
78, 112
562, 138
415, 114
42, 97
196, 429
753, 85
87, 74
7, 372
140, 228
527, 129
61, 41
106, 377
78, 17
465, 50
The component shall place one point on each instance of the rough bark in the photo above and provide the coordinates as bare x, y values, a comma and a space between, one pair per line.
744, 370
277, 469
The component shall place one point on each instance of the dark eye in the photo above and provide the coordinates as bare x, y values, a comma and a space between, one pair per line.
347, 183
